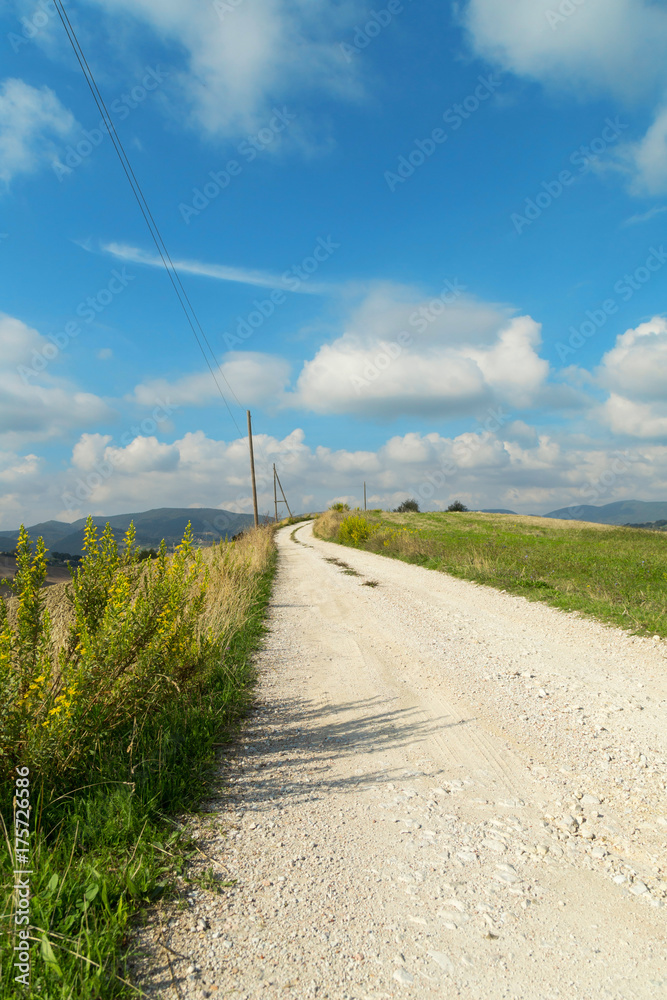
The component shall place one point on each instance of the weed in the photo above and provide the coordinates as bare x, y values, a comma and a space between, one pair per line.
370, 583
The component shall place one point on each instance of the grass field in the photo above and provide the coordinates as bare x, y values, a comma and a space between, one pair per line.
618, 575
154, 669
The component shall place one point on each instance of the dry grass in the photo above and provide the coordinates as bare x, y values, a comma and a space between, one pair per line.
470, 519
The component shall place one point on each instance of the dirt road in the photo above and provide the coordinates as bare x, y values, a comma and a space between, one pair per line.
443, 791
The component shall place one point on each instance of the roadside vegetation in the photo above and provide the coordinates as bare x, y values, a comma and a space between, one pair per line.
618, 575
115, 690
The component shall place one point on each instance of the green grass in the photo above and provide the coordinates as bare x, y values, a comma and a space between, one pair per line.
618, 575
101, 853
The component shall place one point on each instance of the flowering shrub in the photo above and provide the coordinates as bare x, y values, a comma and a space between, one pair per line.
134, 636
354, 530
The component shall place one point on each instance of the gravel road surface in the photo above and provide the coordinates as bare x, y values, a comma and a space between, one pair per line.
442, 791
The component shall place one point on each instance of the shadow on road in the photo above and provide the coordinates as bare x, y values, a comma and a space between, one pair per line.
291, 750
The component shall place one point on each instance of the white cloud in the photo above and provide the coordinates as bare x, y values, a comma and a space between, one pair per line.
38, 406
221, 272
615, 46
243, 60
636, 220
480, 468
636, 366
634, 373
398, 355
401, 355
648, 158
255, 378
31, 119
611, 47
629, 417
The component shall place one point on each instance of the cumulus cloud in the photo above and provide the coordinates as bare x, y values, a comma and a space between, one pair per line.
255, 378
446, 356
482, 468
38, 406
398, 355
637, 363
633, 372
32, 124
241, 58
629, 417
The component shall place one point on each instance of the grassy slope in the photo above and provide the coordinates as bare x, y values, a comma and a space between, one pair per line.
104, 851
619, 575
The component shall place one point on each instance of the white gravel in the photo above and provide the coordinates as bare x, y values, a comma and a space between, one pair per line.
443, 791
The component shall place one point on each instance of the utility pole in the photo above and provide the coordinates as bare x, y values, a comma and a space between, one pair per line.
275, 492
276, 481
252, 472
364, 496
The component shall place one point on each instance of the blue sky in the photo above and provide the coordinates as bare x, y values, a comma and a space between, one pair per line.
423, 239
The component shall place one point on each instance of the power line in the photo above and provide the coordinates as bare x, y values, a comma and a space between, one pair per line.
182, 295
183, 298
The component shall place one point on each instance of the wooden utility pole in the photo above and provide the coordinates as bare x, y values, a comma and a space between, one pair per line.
252, 473
364, 496
275, 492
276, 481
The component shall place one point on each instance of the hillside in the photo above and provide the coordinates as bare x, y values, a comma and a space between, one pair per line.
208, 525
620, 512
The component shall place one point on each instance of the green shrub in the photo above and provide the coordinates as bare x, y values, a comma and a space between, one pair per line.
339, 506
354, 530
407, 507
133, 638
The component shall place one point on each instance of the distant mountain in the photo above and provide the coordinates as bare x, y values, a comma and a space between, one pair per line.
621, 512
208, 525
